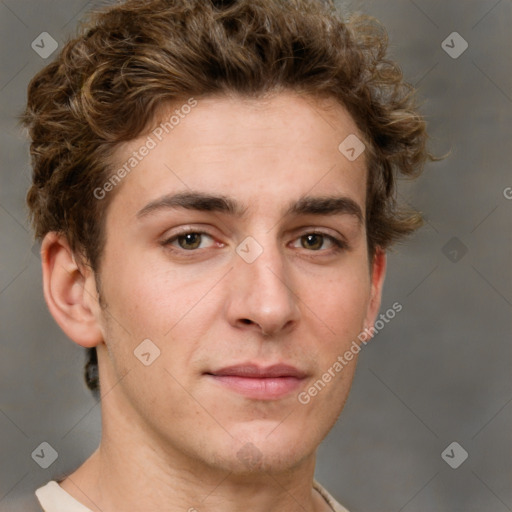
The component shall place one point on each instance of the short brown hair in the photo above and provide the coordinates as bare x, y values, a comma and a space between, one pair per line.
106, 84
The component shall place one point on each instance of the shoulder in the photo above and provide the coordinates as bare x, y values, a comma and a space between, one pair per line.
336, 507
53, 498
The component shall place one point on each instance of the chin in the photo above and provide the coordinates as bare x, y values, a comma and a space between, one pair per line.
265, 450
249, 460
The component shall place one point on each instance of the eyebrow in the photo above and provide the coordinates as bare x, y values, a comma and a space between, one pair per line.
306, 205
329, 205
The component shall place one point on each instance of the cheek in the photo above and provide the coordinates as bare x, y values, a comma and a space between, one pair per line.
165, 307
144, 298
345, 301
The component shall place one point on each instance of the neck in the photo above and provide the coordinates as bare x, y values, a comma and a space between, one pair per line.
131, 470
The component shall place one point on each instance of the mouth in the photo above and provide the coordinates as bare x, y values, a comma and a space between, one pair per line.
258, 382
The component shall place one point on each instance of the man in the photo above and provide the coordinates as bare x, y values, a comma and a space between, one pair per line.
214, 189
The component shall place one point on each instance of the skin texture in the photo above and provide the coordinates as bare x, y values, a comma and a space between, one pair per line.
173, 436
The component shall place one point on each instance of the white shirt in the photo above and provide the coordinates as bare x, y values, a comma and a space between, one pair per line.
53, 498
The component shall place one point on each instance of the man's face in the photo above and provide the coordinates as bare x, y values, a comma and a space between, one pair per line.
244, 326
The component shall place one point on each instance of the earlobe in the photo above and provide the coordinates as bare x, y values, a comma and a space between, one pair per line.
70, 292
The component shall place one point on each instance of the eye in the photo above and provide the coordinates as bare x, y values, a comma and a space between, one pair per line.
189, 241
317, 241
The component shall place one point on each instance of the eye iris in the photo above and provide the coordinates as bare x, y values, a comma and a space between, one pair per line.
190, 241
312, 241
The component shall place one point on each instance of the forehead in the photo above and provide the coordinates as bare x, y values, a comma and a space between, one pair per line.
263, 151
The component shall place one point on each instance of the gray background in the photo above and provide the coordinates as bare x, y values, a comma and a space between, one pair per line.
438, 372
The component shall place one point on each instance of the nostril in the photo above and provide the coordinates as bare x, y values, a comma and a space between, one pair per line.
246, 321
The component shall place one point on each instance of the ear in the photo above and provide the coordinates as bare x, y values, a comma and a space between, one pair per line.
70, 292
378, 273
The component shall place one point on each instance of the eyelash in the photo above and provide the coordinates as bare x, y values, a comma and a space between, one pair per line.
338, 244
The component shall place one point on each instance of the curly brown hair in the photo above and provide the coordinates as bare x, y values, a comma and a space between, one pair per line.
128, 60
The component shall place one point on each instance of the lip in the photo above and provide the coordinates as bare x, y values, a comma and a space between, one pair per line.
259, 382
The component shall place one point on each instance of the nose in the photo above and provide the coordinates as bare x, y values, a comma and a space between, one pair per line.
261, 296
